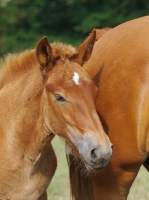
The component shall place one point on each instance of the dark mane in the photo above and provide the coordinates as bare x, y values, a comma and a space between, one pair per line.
81, 187
80, 182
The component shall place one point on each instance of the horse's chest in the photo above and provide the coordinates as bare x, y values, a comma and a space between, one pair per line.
29, 180
30, 187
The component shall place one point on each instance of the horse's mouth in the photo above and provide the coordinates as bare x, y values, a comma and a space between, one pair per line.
91, 167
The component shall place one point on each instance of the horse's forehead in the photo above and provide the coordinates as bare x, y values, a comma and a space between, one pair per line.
76, 78
69, 74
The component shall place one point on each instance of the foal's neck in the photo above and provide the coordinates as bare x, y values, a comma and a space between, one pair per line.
22, 117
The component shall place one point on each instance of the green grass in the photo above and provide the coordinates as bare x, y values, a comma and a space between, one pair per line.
140, 187
59, 187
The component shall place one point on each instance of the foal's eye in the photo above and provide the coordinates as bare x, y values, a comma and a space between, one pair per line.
59, 98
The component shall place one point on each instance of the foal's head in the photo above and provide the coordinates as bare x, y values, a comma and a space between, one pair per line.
69, 99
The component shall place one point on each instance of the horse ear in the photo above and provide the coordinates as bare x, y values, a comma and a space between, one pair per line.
101, 32
44, 53
85, 49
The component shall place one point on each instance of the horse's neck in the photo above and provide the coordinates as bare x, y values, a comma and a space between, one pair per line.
21, 123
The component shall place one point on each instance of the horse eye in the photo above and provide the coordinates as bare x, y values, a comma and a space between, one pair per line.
59, 98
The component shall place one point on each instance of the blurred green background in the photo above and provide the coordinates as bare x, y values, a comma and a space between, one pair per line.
23, 22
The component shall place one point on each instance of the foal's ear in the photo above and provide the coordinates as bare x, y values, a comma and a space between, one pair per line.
85, 49
44, 53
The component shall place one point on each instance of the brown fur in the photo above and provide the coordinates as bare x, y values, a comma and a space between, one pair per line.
38, 99
13, 64
80, 182
120, 66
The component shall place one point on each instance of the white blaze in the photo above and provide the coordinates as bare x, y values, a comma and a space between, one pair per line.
76, 78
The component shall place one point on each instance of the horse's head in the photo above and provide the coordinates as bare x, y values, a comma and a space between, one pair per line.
69, 104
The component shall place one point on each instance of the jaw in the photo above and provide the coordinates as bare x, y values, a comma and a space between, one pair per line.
94, 168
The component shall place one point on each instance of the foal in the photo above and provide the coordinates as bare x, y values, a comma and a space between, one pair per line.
43, 93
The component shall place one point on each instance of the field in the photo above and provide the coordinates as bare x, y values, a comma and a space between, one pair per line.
59, 188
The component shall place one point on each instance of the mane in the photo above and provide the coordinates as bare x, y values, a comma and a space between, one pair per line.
80, 180
63, 51
13, 64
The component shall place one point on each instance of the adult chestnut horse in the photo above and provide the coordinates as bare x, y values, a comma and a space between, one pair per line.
119, 65
42, 93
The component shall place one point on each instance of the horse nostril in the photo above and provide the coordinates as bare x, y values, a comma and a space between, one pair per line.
93, 153
112, 146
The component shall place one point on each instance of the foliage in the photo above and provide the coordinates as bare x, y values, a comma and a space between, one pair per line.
23, 22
